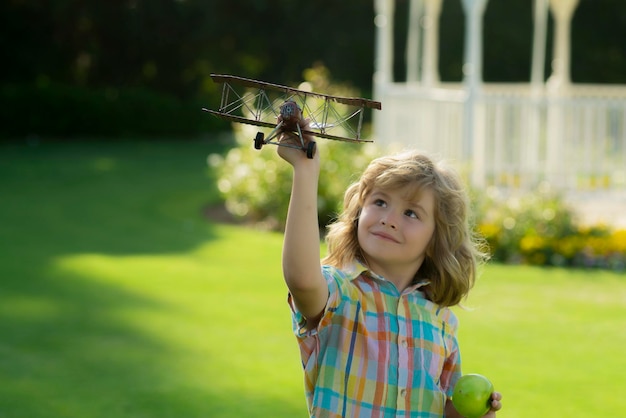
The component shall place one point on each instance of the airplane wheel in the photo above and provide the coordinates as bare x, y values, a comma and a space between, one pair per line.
259, 140
310, 150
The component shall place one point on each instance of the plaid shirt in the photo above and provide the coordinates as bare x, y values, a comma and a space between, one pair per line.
378, 352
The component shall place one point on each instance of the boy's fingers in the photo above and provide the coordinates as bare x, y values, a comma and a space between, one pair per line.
496, 397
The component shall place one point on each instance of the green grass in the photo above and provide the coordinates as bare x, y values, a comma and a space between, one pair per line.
552, 340
118, 299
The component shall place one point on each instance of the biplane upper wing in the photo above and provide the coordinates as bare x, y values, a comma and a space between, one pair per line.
247, 82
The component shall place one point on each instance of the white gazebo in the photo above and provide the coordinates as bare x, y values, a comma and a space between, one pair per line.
514, 136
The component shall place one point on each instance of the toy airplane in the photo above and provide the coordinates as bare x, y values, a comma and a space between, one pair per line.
283, 109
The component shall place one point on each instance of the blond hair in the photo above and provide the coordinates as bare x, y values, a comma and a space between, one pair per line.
454, 252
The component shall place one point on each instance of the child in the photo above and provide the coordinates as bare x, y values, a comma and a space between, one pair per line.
376, 335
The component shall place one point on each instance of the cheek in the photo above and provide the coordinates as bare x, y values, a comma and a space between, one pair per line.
427, 237
365, 219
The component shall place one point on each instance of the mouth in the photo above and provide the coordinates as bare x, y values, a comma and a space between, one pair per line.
384, 236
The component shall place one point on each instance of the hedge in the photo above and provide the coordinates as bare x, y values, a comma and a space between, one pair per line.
59, 110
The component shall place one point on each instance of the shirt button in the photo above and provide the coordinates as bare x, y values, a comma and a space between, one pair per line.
403, 393
404, 343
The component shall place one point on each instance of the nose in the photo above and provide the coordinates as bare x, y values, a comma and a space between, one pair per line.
388, 221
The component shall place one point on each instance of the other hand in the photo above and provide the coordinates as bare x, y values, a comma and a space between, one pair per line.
496, 405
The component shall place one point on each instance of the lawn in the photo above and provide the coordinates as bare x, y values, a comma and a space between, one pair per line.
119, 298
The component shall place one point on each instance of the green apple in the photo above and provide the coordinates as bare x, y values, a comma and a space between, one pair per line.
472, 395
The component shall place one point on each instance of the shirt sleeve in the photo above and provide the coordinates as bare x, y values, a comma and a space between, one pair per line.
334, 279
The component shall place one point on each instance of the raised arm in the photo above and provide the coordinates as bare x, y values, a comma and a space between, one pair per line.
301, 247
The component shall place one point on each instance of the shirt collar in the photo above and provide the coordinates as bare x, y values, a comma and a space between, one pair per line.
357, 268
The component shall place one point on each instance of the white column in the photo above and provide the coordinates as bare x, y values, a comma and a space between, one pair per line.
383, 21
413, 49
383, 64
430, 75
472, 67
558, 85
473, 125
383, 68
562, 10
530, 149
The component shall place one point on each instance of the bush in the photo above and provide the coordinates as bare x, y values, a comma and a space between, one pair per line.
541, 229
256, 185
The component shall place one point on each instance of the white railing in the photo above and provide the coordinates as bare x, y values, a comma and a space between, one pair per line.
509, 136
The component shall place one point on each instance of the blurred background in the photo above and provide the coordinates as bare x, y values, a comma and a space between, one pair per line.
140, 237
76, 68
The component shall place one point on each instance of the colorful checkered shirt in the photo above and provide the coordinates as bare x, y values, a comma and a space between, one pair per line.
377, 352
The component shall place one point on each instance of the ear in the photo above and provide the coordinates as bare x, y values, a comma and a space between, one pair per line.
355, 222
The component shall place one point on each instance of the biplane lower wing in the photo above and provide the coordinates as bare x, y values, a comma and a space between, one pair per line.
241, 119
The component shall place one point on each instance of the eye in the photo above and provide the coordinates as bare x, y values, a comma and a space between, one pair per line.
411, 213
380, 202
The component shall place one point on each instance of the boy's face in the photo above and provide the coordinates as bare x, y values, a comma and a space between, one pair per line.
394, 232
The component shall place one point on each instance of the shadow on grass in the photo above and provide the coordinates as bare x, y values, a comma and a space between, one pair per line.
72, 346
117, 198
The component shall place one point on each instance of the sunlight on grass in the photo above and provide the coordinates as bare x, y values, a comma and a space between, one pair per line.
228, 322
